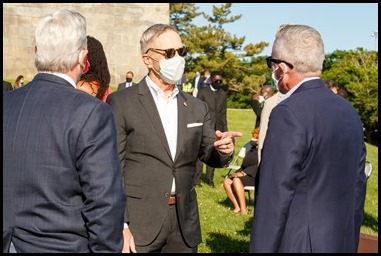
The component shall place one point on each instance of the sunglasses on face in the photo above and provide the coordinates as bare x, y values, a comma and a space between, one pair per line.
269, 60
218, 81
170, 53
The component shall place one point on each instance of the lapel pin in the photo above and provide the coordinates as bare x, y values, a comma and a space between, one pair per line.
185, 104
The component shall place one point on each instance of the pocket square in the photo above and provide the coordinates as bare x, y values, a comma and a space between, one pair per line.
194, 125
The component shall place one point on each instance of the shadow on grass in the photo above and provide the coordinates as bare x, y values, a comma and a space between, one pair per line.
222, 243
370, 222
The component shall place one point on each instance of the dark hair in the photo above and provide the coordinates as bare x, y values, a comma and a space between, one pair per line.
342, 92
18, 79
98, 70
330, 83
215, 73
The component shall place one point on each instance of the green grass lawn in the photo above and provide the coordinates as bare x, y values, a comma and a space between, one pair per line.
224, 232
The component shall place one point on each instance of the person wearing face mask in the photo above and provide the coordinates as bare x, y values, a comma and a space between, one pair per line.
162, 131
215, 98
128, 83
312, 185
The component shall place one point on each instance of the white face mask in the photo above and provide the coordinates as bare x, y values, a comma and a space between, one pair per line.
171, 70
276, 80
261, 99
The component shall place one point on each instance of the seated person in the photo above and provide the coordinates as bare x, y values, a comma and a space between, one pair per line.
245, 176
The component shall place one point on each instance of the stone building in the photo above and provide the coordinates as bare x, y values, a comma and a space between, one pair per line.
117, 26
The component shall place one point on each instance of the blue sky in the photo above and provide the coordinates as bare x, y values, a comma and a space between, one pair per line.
342, 26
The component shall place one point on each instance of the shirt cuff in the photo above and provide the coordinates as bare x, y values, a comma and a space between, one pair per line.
125, 225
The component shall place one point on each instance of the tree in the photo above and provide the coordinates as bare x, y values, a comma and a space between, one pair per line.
181, 17
357, 72
212, 48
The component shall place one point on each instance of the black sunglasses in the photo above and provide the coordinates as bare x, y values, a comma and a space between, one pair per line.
277, 61
218, 81
170, 53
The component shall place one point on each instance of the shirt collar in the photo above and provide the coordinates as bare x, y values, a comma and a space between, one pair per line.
63, 76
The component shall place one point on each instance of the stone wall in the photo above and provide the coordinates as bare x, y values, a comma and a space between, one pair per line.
117, 26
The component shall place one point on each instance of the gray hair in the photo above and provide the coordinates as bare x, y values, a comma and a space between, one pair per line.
152, 33
301, 46
59, 38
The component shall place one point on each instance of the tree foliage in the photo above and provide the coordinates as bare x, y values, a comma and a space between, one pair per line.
211, 48
357, 72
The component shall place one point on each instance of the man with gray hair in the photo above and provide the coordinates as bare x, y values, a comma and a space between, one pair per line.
312, 185
62, 187
162, 131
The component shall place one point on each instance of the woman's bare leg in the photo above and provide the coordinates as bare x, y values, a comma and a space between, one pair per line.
229, 192
240, 194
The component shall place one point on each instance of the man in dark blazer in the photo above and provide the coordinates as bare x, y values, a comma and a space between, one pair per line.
161, 133
129, 82
215, 97
312, 185
62, 188
197, 83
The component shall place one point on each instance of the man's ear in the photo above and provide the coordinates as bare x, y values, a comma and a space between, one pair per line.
283, 67
147, 60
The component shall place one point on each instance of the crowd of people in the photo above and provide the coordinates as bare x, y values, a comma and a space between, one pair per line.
90, 170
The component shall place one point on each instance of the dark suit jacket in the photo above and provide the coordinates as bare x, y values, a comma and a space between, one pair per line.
62, 190
148, 168
257, 108
216, 102
199, 84
311, 191
123, 85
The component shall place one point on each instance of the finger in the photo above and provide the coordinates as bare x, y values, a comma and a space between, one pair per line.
235, 134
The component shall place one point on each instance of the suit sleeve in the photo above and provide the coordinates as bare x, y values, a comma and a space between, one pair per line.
256, 106
276, 188
99, 173
120, 129
360, 194
208, 154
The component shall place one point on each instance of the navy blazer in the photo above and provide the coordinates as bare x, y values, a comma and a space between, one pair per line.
311, 191
200, 83
62, 188
147, 164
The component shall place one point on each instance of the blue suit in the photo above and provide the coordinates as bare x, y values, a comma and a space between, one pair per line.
62, 187
312, 186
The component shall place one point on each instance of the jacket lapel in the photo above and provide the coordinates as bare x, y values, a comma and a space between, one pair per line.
182, 106
149, 105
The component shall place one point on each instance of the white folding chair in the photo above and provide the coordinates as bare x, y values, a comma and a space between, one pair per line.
237, 161
236, 164
248, 189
